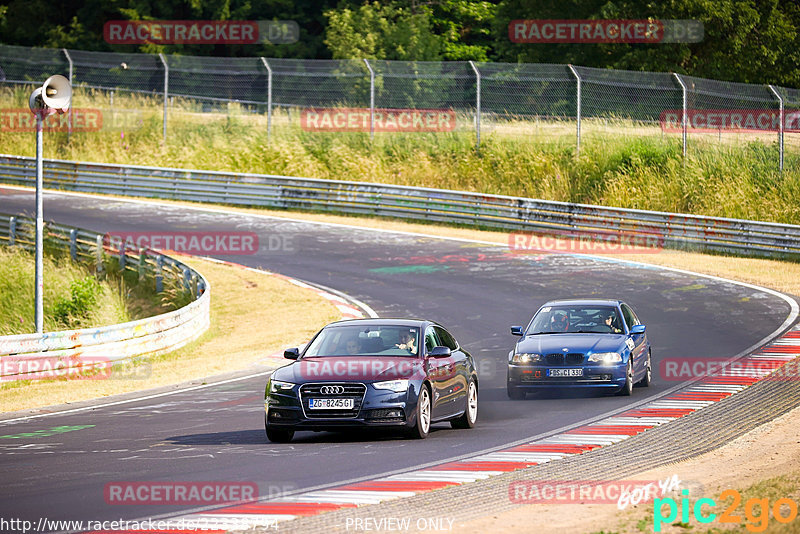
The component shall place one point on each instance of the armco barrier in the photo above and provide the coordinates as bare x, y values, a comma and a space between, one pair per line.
101, 347
670, 230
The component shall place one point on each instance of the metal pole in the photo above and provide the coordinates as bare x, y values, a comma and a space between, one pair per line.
780, 130
166, 91
39, 305
477, 105
69, 117
683, 114
269, 96
577, 111
371, 101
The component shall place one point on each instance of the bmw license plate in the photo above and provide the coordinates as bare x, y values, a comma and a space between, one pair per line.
331, 404
564, 372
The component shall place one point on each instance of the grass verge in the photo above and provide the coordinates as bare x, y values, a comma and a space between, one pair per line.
247, 325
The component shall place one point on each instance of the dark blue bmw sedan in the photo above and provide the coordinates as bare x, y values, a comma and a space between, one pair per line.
397, 373
578, 344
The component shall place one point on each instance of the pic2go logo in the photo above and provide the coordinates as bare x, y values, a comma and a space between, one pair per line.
756, 511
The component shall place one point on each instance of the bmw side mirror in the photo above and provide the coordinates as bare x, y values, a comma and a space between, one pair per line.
291, 354
638, 329
516, 330
440, 352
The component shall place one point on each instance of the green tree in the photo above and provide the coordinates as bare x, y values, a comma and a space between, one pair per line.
375, 31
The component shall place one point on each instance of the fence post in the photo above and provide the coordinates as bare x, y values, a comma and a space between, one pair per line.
683, 114
142, 264
477, 105
166, 91
780, 130
371, 100
577, 111
122, 258
73, 244
12, 231
69, 113
269, 96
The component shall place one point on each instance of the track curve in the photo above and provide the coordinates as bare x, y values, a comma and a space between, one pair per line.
475, 290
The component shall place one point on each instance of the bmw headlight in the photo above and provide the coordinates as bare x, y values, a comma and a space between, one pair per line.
606, 357
276, 386
526, 358
398, 386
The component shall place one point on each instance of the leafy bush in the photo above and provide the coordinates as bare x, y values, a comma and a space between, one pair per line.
82, 299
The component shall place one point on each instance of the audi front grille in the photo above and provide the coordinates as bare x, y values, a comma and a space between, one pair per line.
335, 390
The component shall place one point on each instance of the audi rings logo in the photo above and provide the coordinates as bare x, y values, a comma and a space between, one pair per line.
331, 390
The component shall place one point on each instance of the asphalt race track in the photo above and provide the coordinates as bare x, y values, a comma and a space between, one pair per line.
477, 291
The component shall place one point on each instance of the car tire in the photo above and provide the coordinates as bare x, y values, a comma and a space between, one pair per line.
422, 426
627, 389
277, 435
515, 393
648, 375
470, 415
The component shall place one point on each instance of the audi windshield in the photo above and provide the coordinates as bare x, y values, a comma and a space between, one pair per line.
360, 340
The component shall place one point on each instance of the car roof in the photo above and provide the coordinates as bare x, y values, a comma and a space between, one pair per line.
583, 302
382, 322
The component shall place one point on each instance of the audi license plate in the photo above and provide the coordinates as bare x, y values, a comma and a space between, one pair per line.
564, 372
331, 404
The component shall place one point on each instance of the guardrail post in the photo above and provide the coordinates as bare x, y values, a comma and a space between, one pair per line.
166, 91
159, 273
122, 259
371, 100
194, 288
780, 130
142, 264
683, 114
98, 255
477, 105
201, 287
269, 96
73, 244
12, 231
577, 110
187, 279
69, 116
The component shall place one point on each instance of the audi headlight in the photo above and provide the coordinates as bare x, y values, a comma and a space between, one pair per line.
276, 386
606, 357
526, 358
398, 386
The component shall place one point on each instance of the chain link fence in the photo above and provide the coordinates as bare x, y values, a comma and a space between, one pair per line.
503, 97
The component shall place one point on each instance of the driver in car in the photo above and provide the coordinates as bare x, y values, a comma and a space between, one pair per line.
407, 342
612, 323
559, 322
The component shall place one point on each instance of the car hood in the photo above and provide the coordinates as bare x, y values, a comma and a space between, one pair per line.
556, 343
350, 368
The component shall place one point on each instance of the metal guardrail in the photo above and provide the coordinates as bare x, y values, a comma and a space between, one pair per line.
53, 354
668, 230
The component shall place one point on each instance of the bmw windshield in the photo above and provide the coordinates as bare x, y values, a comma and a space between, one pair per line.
576, 319
367, 341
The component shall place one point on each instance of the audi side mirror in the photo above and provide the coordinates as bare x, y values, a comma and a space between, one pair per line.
440, 352
516, 330
291, 354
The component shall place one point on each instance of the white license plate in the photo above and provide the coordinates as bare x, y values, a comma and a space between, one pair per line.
564, 372
331, 404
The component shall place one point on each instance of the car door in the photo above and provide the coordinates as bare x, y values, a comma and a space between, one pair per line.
457, 373
437, 373
639, 341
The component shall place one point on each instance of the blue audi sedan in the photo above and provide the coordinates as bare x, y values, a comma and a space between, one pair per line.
579, 344
393, 373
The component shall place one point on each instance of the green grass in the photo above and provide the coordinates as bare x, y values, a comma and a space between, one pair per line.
63, 282
621, 163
